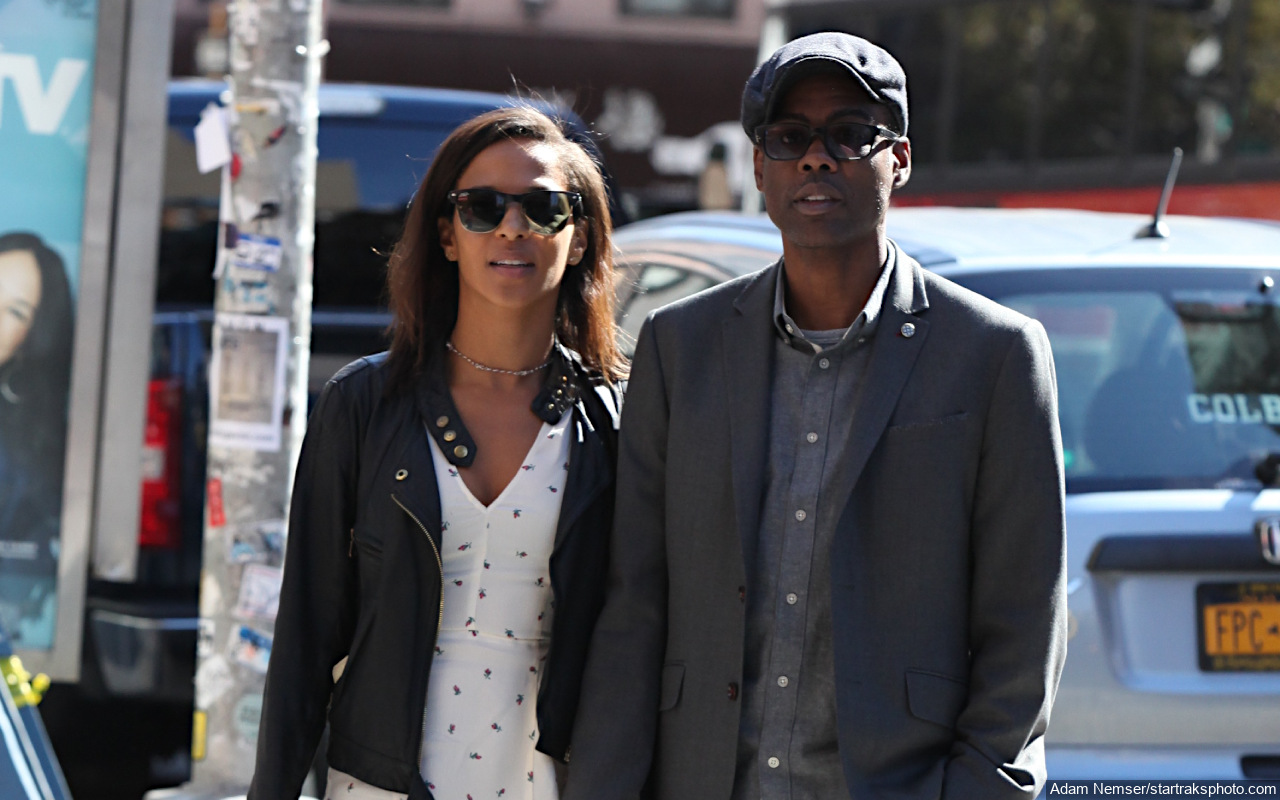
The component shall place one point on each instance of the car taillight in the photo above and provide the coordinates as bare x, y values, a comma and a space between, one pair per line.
161, 466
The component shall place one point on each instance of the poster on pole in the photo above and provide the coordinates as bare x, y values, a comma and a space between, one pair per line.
247, 377
46, 65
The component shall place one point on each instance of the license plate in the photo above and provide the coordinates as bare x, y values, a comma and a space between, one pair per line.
1239, 626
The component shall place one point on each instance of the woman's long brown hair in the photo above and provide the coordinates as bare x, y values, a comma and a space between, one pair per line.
422, 285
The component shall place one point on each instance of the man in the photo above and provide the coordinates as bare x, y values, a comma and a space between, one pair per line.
838, 564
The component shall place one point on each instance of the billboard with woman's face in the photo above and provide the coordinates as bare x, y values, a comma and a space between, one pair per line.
46, 61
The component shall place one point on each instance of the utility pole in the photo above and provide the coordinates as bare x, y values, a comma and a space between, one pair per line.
258, 370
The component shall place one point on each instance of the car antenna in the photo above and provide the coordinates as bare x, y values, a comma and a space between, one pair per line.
1159, 229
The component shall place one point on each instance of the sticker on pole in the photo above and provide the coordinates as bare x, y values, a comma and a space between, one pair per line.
259, 592
258, 542
251, 648
217, 512
247, 377
259, 253
245, 717
213, 140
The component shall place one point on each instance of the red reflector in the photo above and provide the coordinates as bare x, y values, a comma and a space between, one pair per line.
162, 466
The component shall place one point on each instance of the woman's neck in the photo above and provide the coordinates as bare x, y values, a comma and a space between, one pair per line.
506, 341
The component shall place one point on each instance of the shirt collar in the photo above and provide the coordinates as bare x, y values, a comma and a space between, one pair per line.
863, 326
560, 390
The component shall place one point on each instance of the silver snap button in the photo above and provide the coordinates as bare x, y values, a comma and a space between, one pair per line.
782, 681
824, 363
811, 437
800, 515
908, 330
792, 599
401, 474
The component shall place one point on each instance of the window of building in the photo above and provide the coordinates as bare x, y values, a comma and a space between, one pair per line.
678, 8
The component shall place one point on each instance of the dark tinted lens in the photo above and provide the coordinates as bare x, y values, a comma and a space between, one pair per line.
787, 141
481, 210
548, 211
850, 139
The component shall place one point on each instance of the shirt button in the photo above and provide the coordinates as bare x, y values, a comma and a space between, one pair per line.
789, 329
782, 681
811, 437
792, 599
824, 363
800, 515
774, 763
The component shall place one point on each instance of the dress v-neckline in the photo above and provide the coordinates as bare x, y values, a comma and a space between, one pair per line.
455, 472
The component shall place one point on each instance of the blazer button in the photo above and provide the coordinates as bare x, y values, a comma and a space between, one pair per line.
733, 691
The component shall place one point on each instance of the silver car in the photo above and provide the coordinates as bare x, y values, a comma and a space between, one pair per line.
1168, 361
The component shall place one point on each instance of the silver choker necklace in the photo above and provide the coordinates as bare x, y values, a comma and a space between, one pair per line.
519, 373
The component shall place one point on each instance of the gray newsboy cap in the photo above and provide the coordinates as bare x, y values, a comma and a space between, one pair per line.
878, 72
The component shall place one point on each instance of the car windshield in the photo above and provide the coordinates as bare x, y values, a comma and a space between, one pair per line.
1166, 378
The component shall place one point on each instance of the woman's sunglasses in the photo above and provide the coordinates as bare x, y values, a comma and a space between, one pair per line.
547, 211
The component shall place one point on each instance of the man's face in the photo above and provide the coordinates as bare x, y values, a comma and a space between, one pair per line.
817, 201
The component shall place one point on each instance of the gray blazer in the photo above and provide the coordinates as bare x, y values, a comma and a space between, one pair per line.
947, 570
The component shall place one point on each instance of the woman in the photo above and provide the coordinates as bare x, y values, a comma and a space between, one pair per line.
35, 366
450, 516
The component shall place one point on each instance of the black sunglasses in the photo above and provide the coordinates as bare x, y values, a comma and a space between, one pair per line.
845, 141
546, 210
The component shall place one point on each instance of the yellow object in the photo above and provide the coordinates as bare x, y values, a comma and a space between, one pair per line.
27, 690
199, 731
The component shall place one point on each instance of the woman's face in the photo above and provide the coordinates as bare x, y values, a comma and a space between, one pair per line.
511, 268
19, 299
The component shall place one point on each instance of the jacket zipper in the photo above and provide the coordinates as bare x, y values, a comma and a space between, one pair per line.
422, 739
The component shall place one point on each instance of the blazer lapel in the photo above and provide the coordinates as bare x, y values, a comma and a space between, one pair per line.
893, 354
747, 343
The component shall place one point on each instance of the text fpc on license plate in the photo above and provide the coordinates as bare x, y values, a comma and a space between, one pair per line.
1239, 626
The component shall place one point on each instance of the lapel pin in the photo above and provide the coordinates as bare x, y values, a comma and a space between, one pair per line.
908, 330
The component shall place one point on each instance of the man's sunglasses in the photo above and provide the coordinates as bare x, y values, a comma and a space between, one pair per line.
845, 141
547, 211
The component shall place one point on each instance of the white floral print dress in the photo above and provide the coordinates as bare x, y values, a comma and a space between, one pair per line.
481, 726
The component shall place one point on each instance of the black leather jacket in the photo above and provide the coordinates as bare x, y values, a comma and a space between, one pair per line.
362, 575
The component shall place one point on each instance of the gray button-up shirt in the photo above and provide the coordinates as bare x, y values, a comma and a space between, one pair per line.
787, 747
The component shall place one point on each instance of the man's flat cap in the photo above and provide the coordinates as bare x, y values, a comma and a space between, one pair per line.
871, 66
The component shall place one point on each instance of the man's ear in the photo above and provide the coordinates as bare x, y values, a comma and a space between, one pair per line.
757, 160
448, 242
901, 163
